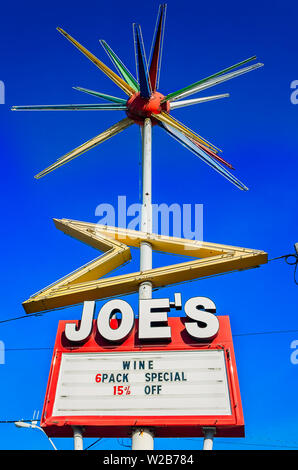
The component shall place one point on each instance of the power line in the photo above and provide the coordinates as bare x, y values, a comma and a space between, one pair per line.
221, 440
94, 443
39, 314
285, 257
12, 421
122, 444
29, 349
234, 335
23, 316
265, 333
261, 445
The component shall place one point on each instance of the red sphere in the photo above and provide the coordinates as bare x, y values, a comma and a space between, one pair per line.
139, 108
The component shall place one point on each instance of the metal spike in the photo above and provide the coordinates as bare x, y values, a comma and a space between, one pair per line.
181, 104
186, 142
167, 119
106, 70
145, 87
122, 69
217, 81
156, 48
71, 107
104, 96
113, 130
177, 94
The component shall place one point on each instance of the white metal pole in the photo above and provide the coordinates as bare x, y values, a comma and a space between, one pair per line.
146, 216
143, 438
38, 427
208, 439
145, 289
77, 437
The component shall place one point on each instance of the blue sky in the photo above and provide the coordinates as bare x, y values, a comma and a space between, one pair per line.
257, 129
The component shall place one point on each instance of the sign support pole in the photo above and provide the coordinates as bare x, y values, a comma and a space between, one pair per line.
208, 438
77, 437
145, 289
143, 438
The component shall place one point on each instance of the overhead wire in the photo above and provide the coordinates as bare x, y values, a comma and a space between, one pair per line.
23, 316
110, 297
290, 263
254, 333
286, 257
12, 421
236, 443
218, 440
93, 443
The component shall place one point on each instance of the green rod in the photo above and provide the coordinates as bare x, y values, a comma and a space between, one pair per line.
193, 85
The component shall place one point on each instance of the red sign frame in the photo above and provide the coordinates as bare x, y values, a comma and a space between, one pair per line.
164, 426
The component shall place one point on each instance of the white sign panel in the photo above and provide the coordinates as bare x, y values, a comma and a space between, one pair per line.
169, 383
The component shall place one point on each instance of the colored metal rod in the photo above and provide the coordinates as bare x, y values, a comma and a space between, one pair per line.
122, 69
186, 142
174, 95
217, 81
70, 107
155, 63
167, 119
212, 154
106, 70
181, 104
113, 130
104, 96
145, 88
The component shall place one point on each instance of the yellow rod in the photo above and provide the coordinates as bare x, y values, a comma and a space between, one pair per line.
106, 70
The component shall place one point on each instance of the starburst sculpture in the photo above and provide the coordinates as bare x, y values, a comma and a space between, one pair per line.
144, 101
